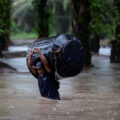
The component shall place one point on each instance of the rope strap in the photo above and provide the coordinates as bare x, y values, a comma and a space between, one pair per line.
61, 59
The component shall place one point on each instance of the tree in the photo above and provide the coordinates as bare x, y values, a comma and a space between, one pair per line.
115, 52
101, 21
42, 18
4, 24
117, 18
80, 24
61, 16
22, 15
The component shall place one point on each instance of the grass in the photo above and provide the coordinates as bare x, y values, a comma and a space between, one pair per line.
23, 35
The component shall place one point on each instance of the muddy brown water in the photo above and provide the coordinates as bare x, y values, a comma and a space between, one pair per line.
91, 95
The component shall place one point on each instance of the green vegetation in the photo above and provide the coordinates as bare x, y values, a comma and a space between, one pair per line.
4, 17
102, 21
26, 20
23, 35
23, 20
31, 19
117, 19
54, 17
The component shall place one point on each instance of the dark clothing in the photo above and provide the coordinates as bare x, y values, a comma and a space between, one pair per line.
48, 86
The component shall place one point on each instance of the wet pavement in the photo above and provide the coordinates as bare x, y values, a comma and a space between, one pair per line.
92, 95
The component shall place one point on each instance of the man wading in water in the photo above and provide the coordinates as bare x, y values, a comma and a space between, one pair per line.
48, 86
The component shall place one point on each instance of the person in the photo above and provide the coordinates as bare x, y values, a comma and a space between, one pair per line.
48, 86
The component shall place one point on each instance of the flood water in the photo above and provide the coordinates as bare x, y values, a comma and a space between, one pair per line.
102, 51
92, 95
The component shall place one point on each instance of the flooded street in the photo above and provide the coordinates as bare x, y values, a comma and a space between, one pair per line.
92, 95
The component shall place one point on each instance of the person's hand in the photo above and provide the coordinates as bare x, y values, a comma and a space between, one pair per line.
37, 50
58, 50
31, 52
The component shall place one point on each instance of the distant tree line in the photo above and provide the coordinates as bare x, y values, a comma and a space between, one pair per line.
27, 16
90, 20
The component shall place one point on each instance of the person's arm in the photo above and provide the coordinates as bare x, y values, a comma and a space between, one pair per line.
30, 65
44, 60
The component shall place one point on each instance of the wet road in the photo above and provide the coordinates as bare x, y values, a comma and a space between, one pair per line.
91, 95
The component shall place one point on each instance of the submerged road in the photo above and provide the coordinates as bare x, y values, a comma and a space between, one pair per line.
92, 95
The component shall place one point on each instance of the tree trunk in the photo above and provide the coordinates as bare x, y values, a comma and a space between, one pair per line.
117, 8
95, 44
80, 24
61, 19
4, 24
42, 18
115, 51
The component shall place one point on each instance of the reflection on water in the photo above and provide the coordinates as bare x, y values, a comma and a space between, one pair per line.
103, 66
105, 51
43, 45
102, 51
17, 48
19, 63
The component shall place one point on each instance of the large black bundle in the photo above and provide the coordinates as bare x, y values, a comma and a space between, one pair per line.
68, 61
